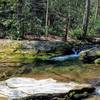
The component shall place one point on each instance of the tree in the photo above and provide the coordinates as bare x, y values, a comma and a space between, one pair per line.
97, 8
57, 17
33, 14
19, 15
68, 19
46, 21
86, 18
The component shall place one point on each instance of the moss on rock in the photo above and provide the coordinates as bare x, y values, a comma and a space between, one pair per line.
97, 61
30, 51
90, 55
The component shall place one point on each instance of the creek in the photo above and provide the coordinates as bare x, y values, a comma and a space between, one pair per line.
67, 65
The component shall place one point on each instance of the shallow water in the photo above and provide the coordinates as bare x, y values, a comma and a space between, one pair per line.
73, 56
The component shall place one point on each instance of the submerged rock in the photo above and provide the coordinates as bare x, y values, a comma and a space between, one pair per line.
46, 89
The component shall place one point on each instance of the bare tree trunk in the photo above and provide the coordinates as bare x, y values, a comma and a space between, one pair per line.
33, 14
46, 23
86, 18
66, 30
97, 9
68, 22
19, 16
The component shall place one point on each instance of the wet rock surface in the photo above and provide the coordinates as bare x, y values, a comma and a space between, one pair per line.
96, 83
97, 61
90, 55
46, 89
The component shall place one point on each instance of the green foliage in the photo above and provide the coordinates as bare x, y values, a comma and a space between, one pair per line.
97, 26
76, 32
94, 26
28, 16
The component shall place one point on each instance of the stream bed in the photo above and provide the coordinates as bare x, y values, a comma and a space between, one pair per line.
65, 74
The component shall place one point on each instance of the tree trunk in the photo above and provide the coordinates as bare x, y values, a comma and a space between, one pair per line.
46, 22
68, 22
33, 14
97, 9
19, 17
66, 29
86, 18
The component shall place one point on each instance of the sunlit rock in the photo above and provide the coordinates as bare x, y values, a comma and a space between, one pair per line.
15, 88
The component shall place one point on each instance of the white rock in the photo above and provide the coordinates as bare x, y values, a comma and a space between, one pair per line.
23, 87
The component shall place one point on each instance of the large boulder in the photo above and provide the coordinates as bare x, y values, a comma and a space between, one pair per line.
11, 46
90, 55
45, 89
13, 51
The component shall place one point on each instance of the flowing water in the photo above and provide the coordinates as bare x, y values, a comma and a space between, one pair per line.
73, 56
